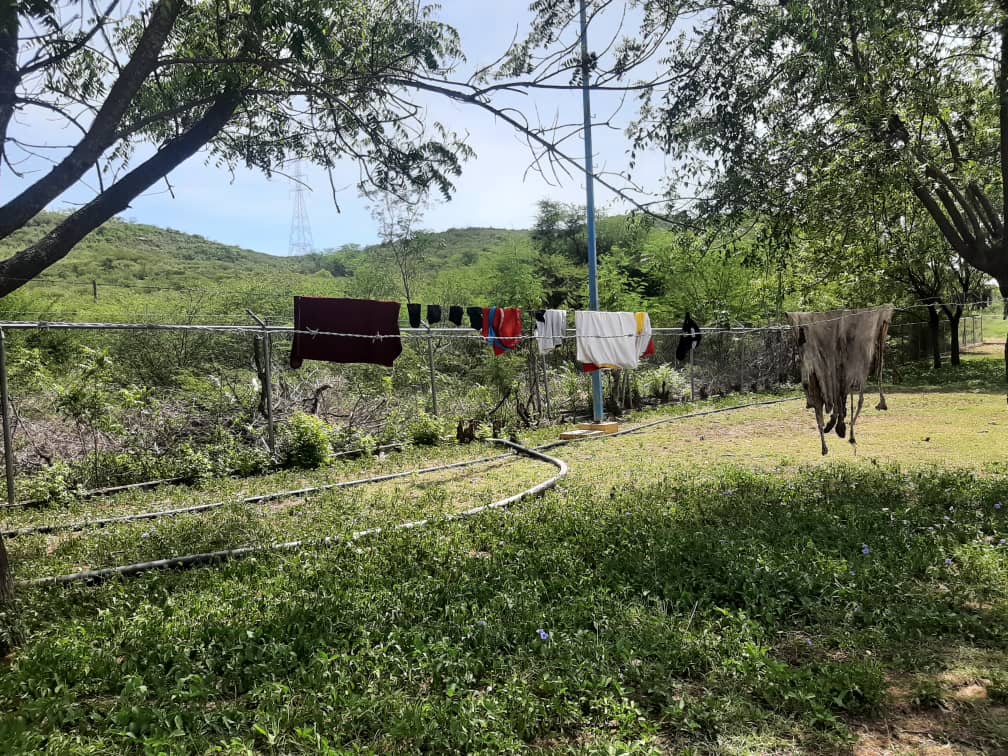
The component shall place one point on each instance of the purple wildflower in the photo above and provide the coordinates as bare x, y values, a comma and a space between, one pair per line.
543, 635
865, 550
948, 562
998, 505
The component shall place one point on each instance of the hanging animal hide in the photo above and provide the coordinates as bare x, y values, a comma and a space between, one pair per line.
838, 351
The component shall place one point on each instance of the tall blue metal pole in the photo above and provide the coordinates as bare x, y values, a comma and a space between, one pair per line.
593, 303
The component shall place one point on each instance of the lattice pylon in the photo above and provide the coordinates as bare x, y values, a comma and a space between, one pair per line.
300, 232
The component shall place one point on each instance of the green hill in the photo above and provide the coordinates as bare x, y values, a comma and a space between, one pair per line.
163, 275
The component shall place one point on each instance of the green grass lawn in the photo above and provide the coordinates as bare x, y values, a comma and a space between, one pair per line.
995, 327
710, 585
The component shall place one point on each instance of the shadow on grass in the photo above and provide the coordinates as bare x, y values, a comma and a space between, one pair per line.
709, 605
980, 375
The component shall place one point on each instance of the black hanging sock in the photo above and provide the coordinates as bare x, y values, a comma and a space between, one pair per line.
414, 315
689, 340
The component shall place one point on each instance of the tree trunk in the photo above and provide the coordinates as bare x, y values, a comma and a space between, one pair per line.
6, 579
954, 315
9, 76
934, 334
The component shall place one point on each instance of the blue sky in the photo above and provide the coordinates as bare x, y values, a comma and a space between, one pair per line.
249, 210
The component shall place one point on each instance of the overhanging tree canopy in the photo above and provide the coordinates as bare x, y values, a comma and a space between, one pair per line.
259, 82
256, 83
773, 105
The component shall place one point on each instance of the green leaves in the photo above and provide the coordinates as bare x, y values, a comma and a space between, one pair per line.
703, 605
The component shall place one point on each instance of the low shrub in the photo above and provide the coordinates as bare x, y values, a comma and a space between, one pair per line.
664, 383
305, 442
426, 430
191, 464
54, 484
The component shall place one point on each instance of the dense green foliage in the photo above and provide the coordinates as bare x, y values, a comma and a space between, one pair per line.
146, 273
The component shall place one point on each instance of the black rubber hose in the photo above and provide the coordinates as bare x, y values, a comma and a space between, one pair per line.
264, 498
149, 484
195, 560
71, 527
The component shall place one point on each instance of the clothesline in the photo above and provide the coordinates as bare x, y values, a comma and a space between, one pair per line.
461, 332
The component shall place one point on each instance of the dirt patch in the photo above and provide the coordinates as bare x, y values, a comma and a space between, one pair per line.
57, 540
971, 694
962, 723
987, 349
921, 734
282, 505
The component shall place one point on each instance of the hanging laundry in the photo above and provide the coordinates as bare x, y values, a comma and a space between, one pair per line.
690, 339
606, 339
550, 329
475, 318
433, 314
502, 327
838, 352
539, 315
414, 315
349, 316
455, 315
644, 341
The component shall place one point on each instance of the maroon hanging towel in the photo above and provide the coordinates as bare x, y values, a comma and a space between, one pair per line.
350, 316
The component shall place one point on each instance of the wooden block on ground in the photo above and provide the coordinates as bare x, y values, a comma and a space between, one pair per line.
609, 427
576, 435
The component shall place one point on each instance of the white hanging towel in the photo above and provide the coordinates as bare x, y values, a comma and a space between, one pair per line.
607, 339
551, 331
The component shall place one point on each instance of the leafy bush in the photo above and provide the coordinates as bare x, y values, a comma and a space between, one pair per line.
55, 484
305, 442
349, 439
246, 460
191, 464
664, 383
231, 455
426, 430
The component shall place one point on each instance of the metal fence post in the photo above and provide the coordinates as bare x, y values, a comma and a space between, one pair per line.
545, 371
268, 376
741, 358
430, 365
692, 386
4, 397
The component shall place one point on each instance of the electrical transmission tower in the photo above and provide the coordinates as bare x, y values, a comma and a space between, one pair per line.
300, 232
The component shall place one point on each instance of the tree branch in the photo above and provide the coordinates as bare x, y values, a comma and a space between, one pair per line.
75, 46
948, 230
977, 230
101, 134
9, 77
550, 147
55, 245
987, 209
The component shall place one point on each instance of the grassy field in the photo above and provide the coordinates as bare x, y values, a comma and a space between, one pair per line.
709, 585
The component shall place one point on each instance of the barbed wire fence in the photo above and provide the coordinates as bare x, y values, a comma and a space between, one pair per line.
117, 402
